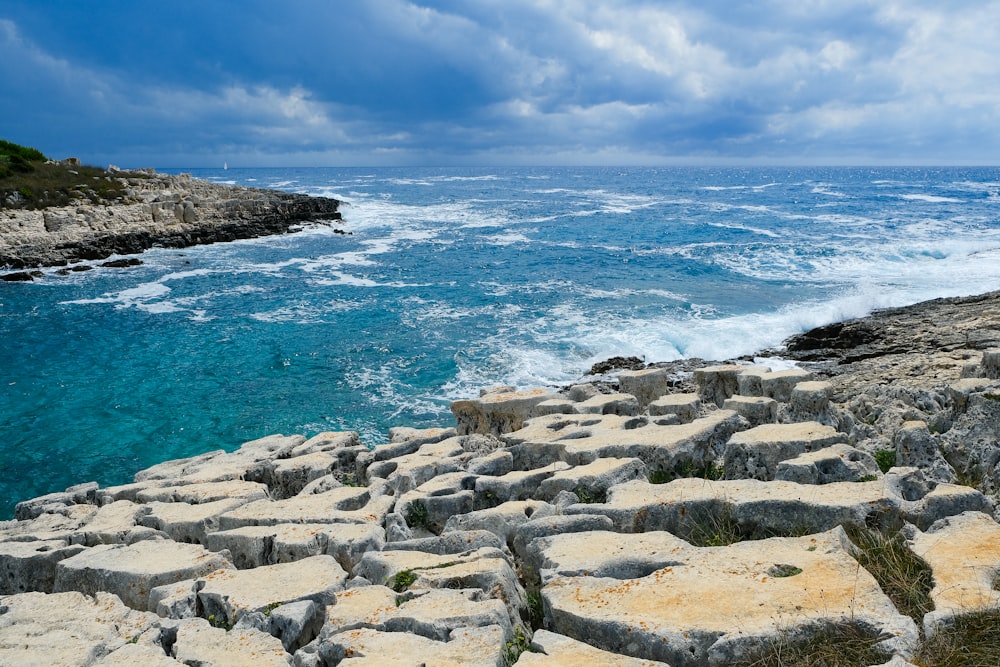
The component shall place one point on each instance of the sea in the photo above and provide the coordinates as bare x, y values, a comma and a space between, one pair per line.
453, 279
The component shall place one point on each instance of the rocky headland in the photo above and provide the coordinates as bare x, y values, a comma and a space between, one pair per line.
842, 512
137, 210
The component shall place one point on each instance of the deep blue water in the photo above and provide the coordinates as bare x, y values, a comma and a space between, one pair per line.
455, 279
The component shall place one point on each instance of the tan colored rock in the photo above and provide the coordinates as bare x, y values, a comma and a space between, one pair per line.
69, 629
592, 480
198, 643
498, 413
346, 504
624, 405
779, 384
466, 647
554, 650
230, 594
130, 572
582, 439
755, 409
725, 601
253, 546
31, 565
184, 522
207, 492
837, 463
685, 406
433, 614
963, 552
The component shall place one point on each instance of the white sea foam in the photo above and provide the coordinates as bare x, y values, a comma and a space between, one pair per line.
932, 199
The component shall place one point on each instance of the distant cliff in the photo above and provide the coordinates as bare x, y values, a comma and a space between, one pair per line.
118, 212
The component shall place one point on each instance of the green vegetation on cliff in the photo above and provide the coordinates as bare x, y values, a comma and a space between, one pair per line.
29, 180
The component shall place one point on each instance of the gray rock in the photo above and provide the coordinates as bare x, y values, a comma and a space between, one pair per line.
756, 410
497, 413
756, 452
837, 463
624, 405
685, 406
254, 546
646, 385
917, 448
717, 383
31, 566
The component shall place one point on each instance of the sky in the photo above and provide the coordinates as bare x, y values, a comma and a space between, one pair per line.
282, 83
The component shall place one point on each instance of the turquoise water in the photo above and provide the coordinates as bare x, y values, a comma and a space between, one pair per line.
455, 279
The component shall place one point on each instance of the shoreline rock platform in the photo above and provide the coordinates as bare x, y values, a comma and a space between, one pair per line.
154, 210
686, 514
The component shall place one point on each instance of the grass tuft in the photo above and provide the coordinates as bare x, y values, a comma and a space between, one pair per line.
903, 576
885, 458
838, 645
970, 640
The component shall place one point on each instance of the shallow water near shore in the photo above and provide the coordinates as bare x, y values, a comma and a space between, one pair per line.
454, 279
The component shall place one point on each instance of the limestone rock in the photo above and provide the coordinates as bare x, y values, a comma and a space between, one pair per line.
230, 594
624, 405
837, 463
685, 406
756, 452
645, 385
253, 546
758, 591
717, 383
499, 412
581, 439
553, 650
31, 566
69, 628
915, 447
198, 643
466, 647
963, 551
755, 409
130, 572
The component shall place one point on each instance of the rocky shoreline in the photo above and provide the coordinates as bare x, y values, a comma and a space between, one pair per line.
684, 514
154, 210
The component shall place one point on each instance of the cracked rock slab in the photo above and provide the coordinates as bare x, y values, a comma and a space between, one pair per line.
964, 553
69, 628
550, 650
466, 647
721, 602
132, 571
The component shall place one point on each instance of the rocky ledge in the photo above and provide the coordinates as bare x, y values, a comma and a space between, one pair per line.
154, 210
724, 515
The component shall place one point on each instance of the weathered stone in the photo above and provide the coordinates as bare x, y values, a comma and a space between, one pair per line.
624, 405
515, 485
130, 572
963, 552
991, 364
685, 406
130, 655
756, 410
54, 502
431, 504
591, 481
502, 520
717, 383
697, 507
466, 647
458, 542
495, 464
31, 566
207, 492
227, 595
748, 382
646, 385
917, 448
497, 413
602, 553
555, 406
346, 504
581, 439
837, 463
198, 643
433, 614
552, 650
69, 628
253, 546
420, 435
756, 452
218, 466
184, 522
524, 536
810, 401
759, 591
779, 384
295, 624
